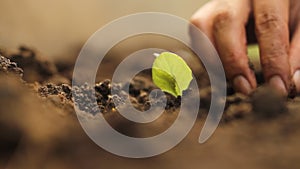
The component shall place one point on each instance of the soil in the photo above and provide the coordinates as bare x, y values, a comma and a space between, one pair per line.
39, 127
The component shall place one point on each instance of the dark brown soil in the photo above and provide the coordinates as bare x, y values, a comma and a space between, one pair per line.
39, 128
37, 67
6, 66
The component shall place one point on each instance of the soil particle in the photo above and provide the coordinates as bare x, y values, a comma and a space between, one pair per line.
104, 88
292, 91
251, 66
268, 103
237, 111
84, 99
237, 106
7, 66
236, 99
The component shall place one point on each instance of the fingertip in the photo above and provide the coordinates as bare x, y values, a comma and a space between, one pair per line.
278, 84
242, 85
296, 80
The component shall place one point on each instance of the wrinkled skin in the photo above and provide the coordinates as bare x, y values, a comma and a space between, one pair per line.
275, 28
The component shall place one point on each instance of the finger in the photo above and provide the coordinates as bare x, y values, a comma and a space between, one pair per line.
203, 19
230, 39
200, 29
271, 21
295, 58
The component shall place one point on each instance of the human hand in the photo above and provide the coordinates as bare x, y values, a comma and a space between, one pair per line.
224, 22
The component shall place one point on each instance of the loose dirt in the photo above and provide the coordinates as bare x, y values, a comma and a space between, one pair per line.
39, 127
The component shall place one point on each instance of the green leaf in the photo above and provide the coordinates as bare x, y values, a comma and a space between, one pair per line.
171, 74
165, 81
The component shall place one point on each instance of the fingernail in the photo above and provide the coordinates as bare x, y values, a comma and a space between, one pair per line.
278, 84
296, 79
241, 84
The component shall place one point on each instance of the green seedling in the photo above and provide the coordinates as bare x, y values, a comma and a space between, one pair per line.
253, 54
171, 73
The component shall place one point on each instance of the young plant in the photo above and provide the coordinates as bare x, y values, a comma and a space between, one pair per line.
171, 74
253, 54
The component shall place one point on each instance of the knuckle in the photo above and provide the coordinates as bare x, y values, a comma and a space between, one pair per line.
232, 57
271, 59
268, 21
234, 61
223, 17
270, 63
274, 50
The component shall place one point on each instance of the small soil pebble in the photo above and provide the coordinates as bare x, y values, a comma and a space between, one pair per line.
7, 66
293, 91
236, 111
267, 102
236, 98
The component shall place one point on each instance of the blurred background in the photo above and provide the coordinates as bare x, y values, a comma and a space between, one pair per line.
59, 28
